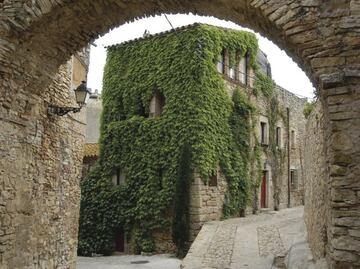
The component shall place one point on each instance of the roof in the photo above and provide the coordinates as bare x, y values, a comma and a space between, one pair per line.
156, 35
91, 150
262, 57
177, 29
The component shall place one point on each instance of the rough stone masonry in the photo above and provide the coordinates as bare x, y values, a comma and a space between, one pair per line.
40, 156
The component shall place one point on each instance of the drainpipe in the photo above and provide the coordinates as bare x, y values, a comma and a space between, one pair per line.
288, 153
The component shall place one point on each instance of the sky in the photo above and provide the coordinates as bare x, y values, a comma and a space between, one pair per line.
285, 71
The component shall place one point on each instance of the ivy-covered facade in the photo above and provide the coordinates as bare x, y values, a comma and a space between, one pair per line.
192, 129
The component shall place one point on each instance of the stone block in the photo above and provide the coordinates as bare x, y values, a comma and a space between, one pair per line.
346, 256
345, 243
354, 233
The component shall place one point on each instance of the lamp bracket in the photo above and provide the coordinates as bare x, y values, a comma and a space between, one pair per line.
61, 111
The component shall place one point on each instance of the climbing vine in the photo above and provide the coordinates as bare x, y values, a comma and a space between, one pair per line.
181, 66
276, 152
241, 128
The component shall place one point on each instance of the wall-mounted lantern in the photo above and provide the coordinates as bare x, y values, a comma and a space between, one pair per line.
80, 94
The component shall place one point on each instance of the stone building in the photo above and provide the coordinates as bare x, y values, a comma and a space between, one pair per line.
279, 140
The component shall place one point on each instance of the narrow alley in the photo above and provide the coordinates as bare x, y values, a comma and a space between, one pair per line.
256, 242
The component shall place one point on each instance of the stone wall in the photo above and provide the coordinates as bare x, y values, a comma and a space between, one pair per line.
297, 124
163, 241
316, 183
279, 176
331, 208
40, 157
206, 202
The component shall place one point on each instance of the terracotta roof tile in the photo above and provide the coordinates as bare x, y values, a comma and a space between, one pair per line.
91, 149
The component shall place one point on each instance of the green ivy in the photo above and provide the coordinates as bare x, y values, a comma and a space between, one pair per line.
181, 66
276, 154
263, 85
308, 108
238, 173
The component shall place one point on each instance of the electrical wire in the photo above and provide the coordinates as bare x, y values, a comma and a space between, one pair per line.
169, 21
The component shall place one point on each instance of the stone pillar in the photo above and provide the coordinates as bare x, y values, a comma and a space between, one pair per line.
342, 118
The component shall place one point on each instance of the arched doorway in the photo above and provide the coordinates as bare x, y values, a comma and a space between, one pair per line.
321, 36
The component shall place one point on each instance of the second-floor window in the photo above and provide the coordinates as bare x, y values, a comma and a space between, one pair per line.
278, 137
220, 62
157, 104
292, 139
243, 70
232, 72
263, 133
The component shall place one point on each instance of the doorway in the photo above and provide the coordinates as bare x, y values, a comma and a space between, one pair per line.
120, 241
263, 190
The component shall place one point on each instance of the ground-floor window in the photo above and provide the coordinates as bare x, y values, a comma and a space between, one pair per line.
294, 179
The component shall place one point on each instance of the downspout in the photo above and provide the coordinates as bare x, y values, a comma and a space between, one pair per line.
288, 153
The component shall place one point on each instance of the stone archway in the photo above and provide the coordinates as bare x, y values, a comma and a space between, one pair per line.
322, 36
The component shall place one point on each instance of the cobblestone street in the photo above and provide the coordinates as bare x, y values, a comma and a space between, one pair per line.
252, 242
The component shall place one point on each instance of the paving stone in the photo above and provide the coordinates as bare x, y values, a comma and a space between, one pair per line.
250, 242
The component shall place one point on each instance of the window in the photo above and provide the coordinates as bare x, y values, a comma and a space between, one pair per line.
232, 73
263, 133
213, 180
157, 104
294, 179
268, 70
243, 70
278, 137
292, 139
118, 177
220, 62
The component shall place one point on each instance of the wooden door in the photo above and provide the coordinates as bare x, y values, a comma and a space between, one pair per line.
263, 191
119, 241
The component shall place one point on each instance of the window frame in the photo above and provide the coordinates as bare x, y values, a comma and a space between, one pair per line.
292, 139
294, 181
243, 74
118, 177
278, 136
157, 104
220, 62
263, 133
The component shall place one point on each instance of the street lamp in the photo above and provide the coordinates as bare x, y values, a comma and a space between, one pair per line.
80, 95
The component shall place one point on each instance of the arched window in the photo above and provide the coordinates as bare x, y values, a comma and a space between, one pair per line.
157, 104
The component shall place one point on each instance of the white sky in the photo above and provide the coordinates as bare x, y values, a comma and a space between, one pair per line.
285, 71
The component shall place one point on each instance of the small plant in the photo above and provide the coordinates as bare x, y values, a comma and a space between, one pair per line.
308, 108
